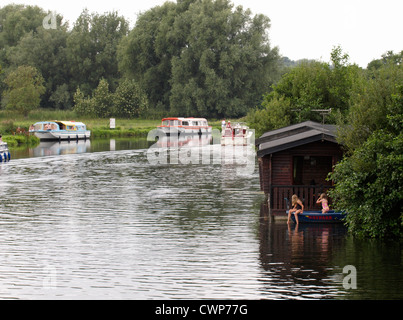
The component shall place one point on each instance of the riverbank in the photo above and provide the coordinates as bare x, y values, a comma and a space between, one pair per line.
11, 123
20, 141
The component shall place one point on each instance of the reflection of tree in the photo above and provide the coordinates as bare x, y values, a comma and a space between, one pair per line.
296, 259
379, 267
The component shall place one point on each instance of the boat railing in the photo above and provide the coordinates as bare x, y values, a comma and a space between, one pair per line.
307, 193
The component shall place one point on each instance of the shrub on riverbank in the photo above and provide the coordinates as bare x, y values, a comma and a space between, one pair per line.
21, 140
368, 184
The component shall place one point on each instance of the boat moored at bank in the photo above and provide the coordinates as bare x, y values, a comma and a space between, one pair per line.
317, 216
183, 126
60, 130
238, 134
4, 152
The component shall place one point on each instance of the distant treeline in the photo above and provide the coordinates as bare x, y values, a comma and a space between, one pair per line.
192, 57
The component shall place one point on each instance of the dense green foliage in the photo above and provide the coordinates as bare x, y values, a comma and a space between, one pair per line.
25, 86
369, 179
201, 58
368, 107
311, 85
369, 182
21, 141
372, 95
190, 57
67, 59
129, 101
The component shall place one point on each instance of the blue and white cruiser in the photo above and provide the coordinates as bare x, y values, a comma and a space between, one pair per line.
60, 130
4, 152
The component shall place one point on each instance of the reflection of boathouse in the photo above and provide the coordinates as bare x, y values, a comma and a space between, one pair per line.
297, 160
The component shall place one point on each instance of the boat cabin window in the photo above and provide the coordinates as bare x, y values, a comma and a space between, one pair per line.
170, 122
46, 126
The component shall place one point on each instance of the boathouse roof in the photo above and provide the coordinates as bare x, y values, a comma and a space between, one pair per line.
294, 136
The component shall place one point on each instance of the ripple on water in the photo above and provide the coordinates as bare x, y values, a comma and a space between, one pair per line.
110, 225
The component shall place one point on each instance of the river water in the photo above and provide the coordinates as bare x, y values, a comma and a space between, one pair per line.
98, 220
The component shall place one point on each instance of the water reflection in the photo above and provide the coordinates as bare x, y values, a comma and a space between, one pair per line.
53, 148
307, 261
110, 225
297, 260
184, 140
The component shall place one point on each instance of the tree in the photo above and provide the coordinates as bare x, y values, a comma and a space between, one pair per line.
369, 102
82, 105
102, 100
46, 51
369, 182
129, 100
91, 50
145, 55
388, 58
16, 20
25, 86
99, 105
226, 64
308, 86
275, 114
201, 58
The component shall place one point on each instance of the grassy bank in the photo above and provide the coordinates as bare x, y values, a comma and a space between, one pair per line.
10, 121
18, 141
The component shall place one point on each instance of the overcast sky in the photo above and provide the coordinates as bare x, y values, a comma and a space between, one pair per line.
365, 29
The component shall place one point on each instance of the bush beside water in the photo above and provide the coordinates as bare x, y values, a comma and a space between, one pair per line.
21, 140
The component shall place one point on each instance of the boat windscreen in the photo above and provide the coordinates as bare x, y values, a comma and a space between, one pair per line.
46, 126
38, 126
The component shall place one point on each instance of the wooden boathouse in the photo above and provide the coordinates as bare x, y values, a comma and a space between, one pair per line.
297, 160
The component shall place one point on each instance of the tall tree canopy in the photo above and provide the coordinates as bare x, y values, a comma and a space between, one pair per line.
46, 51
201, 57
310, 85
16, 21
91, 49
66, 58
25, 86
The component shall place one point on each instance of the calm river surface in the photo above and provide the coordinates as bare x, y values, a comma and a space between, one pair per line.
99, 221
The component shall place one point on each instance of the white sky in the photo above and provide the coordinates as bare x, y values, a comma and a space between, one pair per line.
365, 29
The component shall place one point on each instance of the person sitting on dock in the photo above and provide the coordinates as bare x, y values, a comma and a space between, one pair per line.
325, 203
297, 208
